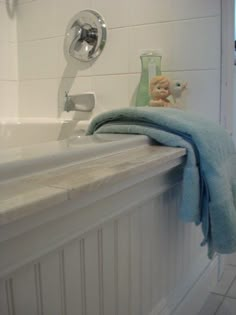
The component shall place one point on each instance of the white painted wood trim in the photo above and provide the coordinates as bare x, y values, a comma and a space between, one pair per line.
227, 63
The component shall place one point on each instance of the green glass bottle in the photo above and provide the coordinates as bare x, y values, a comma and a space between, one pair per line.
151, 66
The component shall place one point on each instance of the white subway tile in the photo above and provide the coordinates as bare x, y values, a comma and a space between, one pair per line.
9, 98
111, 92
13, 61
38, 98
196, 44
23, 1
66, 10
8, 61
184, 44
151, 11
186, 9
12, 26
77, 85
36, 20
4, 60
4, 34
202, 95
114, 58
39, 59
7, 24
115, 13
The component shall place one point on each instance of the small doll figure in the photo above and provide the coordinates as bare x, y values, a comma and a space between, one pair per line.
159, 91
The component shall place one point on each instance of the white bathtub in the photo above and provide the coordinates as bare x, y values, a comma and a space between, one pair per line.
16, 132
25, 160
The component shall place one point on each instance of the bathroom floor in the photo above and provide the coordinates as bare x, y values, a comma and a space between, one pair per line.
222, 300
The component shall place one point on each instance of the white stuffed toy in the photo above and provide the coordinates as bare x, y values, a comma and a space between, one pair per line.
176, 89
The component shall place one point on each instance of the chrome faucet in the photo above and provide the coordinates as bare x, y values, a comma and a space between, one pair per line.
84, 102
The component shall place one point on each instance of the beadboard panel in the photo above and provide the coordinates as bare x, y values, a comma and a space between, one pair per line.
24, 286
131, 264
74, 283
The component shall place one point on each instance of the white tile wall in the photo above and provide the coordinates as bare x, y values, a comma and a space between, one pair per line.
117, 13
114, 59
36, 20
32, 61
8, 60
203, 92
187, 32
117, 92
9, 98
7, 22
185, 45
65, 10
153, 11
38, 98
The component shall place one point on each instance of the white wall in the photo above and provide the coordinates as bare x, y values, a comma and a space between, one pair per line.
187, 32
8, 60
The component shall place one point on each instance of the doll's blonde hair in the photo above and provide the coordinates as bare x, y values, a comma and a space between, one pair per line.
158, 79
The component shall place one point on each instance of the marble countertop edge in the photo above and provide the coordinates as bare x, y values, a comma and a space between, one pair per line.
46, 192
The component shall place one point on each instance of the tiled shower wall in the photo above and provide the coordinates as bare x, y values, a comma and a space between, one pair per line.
8, 59
187, 32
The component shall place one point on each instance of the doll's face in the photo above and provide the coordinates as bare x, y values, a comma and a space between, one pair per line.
161, 90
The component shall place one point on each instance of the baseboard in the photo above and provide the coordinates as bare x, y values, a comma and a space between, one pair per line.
191, 295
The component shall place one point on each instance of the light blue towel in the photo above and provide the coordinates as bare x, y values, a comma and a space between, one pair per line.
209, 179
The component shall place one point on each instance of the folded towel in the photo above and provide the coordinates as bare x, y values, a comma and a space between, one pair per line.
209, 179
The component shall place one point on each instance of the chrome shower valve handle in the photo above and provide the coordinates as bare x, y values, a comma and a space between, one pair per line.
86, 36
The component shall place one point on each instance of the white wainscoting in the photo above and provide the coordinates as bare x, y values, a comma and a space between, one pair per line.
142, 261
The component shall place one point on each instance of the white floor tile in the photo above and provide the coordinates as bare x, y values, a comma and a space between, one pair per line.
228, 307
211, 305
231, 259
226, 280
232, 291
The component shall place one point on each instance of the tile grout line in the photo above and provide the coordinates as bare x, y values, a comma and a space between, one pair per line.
230, 286
222, 302
217, 294
167, 21
110, 74
224, 296
219, 306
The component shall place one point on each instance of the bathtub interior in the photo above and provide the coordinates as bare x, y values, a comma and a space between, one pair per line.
30, 131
